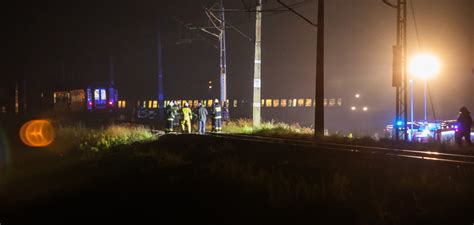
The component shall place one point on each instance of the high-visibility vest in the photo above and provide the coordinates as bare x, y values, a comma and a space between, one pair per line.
217, 111
187, 113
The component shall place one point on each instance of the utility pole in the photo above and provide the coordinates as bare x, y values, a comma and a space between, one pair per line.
217, 28
319, 106
111, 72
399, 79
319, 81
257, 81
160, 73
223, 60
112, 91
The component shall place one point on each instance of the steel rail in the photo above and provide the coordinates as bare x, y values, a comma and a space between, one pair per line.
395, 152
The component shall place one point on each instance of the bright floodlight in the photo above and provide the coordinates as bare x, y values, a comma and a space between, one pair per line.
365, 109
357, 95
424, 66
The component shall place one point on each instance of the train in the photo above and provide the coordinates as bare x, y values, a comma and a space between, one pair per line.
105, 99
89, 99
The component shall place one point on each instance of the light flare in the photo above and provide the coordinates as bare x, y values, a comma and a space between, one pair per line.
37, 133
424, 66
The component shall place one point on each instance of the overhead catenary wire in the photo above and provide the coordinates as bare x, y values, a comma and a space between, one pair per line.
269, 12
415, 24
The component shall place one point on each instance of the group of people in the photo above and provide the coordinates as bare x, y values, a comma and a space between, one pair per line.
183, 115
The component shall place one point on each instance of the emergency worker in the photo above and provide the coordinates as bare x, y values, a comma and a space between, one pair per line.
202, 117
187, 117
465, 123
216, 116
170, 115
176, 113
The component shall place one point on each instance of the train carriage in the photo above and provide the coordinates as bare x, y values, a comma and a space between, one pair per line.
90, 99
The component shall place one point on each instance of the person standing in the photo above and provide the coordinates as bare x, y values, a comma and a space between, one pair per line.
465, 123
187, 117
216, 116
176, 113
202, 116
225, 111
169, 117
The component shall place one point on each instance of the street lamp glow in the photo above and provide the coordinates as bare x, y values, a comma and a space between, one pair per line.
353, 108
357, 95
424, 66
365, 108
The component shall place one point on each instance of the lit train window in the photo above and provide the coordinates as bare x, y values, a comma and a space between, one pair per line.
290, 102
339, 101
167, 102
300, 102
332, 102
283, 102
96, 94
124, 104
120, 104
155, 104
268, 103
325, 102
276, 102
294, 103
235, 103
308, 102
209, 103
150, 104
195, 103
263, 103
103, 96
144, 104
314, 102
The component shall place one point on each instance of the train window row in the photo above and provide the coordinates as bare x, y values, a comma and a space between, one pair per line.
266, 103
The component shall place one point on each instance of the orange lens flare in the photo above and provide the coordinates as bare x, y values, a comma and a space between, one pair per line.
37, 133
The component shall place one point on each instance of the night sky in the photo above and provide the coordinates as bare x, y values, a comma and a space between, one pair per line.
68, 44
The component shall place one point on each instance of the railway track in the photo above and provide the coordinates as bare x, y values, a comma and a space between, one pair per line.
391, 152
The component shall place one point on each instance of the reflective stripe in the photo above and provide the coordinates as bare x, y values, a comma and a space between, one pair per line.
217, 117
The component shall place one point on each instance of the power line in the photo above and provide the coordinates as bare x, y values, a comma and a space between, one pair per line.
416, 25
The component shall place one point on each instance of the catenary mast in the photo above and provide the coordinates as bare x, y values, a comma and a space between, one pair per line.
257, 82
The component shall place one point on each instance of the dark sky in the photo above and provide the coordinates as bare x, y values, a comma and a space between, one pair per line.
67, 44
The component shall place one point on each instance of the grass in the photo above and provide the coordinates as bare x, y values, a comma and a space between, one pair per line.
229, 182
71, 140
83, 138
244, 126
